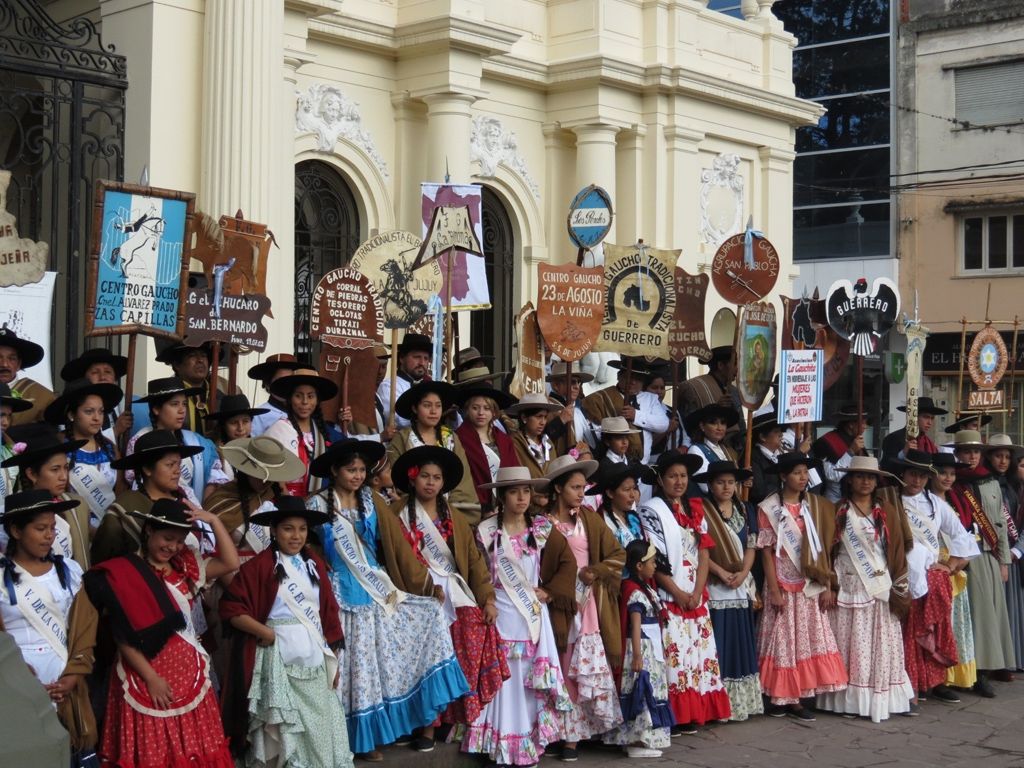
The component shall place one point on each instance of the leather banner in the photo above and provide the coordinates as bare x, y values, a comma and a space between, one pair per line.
404, 293
755, 353
640, 300
529, 375
345, 312
687, 336
570, 308
360, 366
745, 271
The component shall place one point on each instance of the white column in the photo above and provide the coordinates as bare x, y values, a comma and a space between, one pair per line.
595, 162
630, 176
775, 216
449, 126
683, 146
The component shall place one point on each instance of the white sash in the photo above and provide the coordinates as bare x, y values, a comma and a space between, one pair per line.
858, 538
789, 538
374, 580
37, 606
258, 536
924, 527
90, 485
307, 611
514, 581
62, 542
440, 560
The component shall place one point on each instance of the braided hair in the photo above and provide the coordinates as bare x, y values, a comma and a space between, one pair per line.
531, 540
22, 481
7, 564
606, 505
177, 563
878, 517
103, 444
636, 551
307, 560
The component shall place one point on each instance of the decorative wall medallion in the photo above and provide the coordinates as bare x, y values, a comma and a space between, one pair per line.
721, 199
325, 111
490, 144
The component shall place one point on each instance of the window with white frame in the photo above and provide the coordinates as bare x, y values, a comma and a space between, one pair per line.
992, 242
990, 94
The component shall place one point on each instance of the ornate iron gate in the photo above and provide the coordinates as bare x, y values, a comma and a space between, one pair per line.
491, 329
61, 128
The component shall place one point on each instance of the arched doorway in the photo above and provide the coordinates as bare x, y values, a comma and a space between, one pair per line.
326, 235
491, 329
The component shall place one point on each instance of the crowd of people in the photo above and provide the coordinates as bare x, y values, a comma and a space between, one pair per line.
236, 585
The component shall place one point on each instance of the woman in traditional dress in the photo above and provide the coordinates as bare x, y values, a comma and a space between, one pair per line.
594, 648
619, 489
9, 405
54, 631
964, 674
998, 455
279, 702
707, 427
161, 711
487, 447
232, 421
767, 445
797, 650
978, 500
533, 446
167, 401
81, 410
445, 544
424, 405
302, 430
647, 717
533, 572
870, 560
156, 463
676, 526
731, 592
400, 670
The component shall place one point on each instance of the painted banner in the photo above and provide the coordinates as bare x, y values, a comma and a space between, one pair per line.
755, 353
344, 311
529, 375
860, 317
26, 310
360, 367
917, 336
687, 336
459, 224
590, 217
138, 269
230, 319
988, 359
800, 329
22, 261
745, 268
570, 308
387, 261
640, 300
801, 386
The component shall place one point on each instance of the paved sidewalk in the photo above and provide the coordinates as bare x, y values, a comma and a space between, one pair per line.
977, 733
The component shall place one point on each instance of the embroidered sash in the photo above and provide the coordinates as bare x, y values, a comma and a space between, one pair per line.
440, 560
985, 527
924, 527
871, 566
89, 484
62, 544
789, 538
37, 606
192, 470
306, 610
513, 580
375, 581
258, 536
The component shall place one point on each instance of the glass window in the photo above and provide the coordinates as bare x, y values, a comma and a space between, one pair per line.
837, 69
993, 242
855, 231
1018, 241
851, 121
997, 242
728, 7
837, 177
972, 243
824, 21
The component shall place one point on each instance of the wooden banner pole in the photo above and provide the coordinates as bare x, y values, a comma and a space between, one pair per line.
128, 388
860, 395
569, 402
232, 370
748, 453
344, 389
449, 331
394, 379
211, 402
673, 439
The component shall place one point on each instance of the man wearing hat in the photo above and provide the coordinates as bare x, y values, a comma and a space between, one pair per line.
641, 409
896, 442
715, 386
571, 426
17, 354
192, 366
274, 367
970, 422
101, 366
836, 449
414, 355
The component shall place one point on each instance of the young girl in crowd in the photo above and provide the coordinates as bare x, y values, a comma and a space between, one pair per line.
595, 638
798, 654
55, 632
161, 709
487, 447
619, 491
400, 671
425, 405
731, 590
999, 460
167, 401
80, 410
707, 428
676, 527
647, 725
302, 430
445, 544
533, 446
533, 572
233, 421
869, 553
279, 701
615, 433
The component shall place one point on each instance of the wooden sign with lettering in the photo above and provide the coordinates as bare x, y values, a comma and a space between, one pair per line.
345, 312
755, 353
687, 337
570, 308
22, 261
529, 375
743, 275
229, 319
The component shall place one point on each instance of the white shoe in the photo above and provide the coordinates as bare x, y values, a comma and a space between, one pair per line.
642, 752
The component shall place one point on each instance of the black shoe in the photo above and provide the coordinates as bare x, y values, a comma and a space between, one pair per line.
945, 695
569, 755
423, 744
803, 714
776, 710
914, 711
984, 688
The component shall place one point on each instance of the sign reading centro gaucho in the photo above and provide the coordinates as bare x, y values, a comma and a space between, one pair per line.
345, 312
640, 300
570, 308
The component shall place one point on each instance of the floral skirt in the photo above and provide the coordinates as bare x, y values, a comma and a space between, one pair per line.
478, 649
798, 654
696, 693
964, 674
588, 678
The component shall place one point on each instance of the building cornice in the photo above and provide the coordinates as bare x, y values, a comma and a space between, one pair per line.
417, 37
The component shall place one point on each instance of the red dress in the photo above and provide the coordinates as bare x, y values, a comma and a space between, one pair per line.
189, 734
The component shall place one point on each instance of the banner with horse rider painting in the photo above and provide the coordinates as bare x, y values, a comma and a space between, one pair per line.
138, 268
640, 299
387, 260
